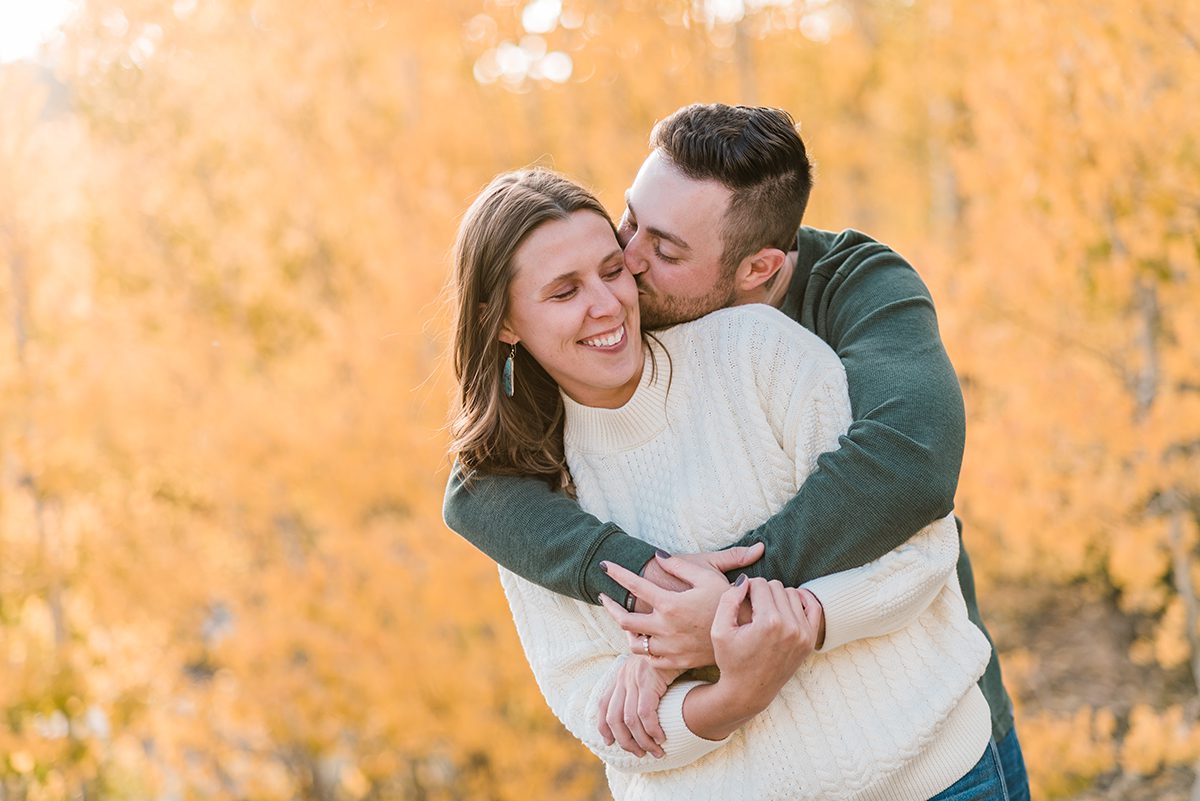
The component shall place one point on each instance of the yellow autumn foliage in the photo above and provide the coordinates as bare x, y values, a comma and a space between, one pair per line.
1066, 753
1156, 738
224, 229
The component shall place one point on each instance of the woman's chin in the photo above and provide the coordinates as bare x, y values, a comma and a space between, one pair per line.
605, 388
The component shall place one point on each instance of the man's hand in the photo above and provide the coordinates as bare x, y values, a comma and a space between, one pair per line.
679, 623
813, 604
757, 658
629, 709
724, 561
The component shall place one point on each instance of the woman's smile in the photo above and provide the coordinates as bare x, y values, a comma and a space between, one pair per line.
574, 307
611, 340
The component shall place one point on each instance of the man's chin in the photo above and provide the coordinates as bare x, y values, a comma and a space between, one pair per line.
653, 318
659, 311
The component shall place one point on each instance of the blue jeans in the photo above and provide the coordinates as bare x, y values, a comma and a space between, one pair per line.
984, 782
1013, 765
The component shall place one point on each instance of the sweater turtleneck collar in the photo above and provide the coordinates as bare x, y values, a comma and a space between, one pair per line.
593, 430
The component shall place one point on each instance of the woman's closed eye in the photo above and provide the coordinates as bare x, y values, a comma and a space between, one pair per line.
614, 273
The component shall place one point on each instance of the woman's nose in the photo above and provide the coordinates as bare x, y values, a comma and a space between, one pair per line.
604, 302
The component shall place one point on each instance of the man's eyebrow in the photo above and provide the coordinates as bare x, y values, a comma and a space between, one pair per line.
658, 232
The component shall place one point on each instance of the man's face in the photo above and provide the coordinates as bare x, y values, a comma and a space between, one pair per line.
671, 232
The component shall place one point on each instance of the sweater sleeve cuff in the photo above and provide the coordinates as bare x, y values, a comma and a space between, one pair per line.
615, 546
848, 602
682, 746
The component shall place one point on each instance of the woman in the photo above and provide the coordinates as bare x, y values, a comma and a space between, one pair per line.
709, 430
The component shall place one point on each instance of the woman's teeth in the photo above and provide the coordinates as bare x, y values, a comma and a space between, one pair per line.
606, 340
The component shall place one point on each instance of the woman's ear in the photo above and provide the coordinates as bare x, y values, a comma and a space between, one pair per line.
506, 335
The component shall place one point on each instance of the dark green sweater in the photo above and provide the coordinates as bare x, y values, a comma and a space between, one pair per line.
895, 471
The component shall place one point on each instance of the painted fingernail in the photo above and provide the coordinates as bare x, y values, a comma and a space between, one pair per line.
604, 566
741, 579
662, 554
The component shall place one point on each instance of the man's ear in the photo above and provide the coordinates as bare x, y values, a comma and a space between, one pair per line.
758, 268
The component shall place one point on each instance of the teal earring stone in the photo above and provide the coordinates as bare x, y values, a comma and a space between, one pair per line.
508, 372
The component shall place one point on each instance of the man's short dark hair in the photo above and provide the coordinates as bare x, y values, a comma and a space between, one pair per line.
758, 154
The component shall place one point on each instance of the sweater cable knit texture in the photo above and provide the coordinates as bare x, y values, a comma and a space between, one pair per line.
743, 403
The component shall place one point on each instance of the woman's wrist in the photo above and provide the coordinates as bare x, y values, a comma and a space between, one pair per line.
669, 674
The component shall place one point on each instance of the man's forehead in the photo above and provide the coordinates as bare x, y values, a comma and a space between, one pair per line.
663, 191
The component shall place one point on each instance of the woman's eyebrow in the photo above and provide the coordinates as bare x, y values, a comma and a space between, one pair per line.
616, 253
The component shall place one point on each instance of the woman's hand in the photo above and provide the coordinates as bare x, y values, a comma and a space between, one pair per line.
629, 710
680, 622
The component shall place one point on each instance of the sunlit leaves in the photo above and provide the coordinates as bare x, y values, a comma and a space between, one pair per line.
224, 231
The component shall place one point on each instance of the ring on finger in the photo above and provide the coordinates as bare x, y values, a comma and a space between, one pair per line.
646, 644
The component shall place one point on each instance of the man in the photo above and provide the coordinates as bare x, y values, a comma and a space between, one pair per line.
709, 217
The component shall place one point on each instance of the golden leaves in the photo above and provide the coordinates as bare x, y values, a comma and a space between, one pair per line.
223, 449
1157, 738
1065, 754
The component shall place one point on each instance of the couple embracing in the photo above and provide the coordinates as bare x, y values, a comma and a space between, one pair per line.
709, 391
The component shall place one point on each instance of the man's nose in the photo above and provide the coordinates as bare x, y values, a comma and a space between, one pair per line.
634, 261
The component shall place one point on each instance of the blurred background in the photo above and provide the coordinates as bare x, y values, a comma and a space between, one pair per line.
224, 231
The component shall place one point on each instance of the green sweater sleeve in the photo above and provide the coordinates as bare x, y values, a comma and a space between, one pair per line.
896, 469
541, 535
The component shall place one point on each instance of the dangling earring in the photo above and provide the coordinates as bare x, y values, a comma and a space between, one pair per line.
508, 372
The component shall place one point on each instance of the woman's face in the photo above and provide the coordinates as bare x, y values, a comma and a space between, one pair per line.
573, 306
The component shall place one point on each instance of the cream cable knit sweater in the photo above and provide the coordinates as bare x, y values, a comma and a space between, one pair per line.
889, 709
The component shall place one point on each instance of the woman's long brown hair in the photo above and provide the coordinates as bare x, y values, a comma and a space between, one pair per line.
491, 433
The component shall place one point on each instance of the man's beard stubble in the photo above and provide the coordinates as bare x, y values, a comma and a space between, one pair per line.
663, 311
